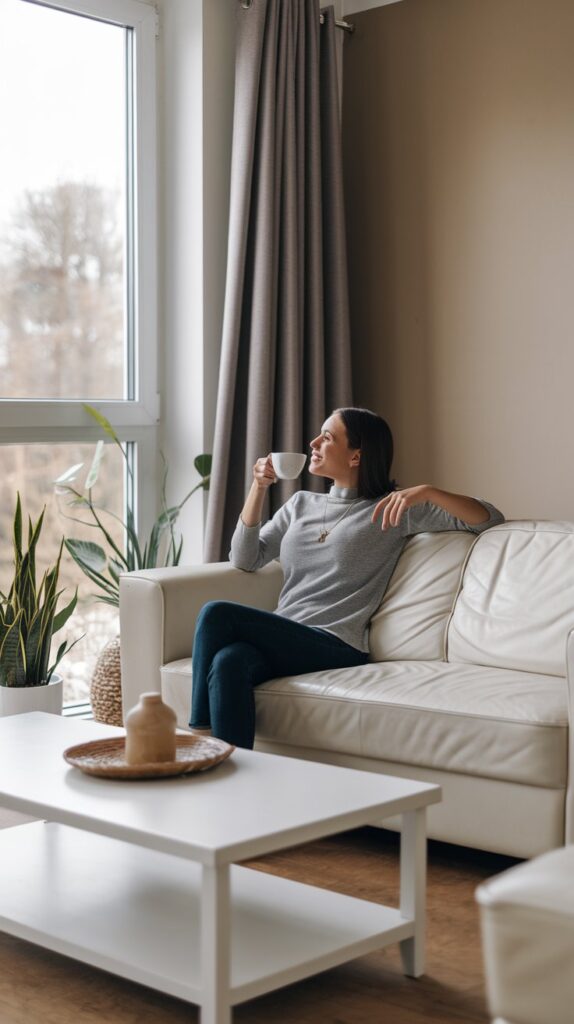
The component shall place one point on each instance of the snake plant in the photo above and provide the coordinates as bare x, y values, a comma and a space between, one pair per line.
28, 614
103, 567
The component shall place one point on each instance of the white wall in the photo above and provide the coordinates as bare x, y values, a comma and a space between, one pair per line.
195, 74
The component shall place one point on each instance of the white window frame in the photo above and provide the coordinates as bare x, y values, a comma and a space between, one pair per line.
135, 418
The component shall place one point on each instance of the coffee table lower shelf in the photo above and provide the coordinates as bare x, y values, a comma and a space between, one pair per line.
135, 912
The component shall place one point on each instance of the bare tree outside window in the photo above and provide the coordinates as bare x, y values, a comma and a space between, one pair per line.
61, 296
63, 211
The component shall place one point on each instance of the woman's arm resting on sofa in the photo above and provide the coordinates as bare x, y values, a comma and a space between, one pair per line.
395, 504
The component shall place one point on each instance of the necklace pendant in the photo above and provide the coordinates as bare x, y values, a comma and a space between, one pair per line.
322, 537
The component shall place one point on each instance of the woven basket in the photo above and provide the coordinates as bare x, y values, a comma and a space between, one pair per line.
106, 685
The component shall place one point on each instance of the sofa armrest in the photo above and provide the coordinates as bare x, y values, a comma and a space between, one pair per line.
569, 815
158, 609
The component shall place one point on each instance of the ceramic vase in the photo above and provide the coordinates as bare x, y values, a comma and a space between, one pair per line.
150, 731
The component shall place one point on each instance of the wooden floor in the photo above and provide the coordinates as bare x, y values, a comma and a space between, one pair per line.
39, 987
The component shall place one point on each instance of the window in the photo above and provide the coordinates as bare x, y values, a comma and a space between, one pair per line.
77, 268
63, 205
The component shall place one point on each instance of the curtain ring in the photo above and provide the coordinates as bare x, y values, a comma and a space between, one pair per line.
246, 4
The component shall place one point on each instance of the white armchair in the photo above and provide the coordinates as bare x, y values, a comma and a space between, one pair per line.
527, 916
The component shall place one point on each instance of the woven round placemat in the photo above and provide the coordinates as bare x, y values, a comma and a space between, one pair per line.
106, 685
106, 758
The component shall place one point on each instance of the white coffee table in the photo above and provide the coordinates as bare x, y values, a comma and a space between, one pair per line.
141, 878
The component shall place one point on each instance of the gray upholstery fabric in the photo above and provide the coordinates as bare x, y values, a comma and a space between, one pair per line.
285, 359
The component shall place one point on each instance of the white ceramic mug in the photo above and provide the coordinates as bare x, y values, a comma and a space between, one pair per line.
288, 465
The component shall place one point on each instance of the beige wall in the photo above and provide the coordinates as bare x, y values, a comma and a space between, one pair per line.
458, 128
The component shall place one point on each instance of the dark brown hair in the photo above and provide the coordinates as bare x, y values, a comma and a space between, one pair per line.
372, 434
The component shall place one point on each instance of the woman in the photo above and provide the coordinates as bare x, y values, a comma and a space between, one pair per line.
337, 561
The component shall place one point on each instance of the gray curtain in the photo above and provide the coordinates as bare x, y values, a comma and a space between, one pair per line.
285, 359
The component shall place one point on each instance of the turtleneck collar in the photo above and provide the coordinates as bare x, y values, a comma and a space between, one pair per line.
343, 492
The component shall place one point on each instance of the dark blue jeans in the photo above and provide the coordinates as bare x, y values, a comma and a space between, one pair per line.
236, 648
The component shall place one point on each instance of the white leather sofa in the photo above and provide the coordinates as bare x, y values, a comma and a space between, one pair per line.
468, 683
527, 918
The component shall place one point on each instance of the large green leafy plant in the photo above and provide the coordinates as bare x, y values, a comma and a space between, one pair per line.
28, 614
104, 566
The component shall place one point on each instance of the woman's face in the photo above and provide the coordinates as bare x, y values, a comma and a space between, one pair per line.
331, 455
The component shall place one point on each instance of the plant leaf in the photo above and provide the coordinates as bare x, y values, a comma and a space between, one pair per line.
162, 523
87, 554
69, 475
33, 646
134, 554
113, 571
108, 586
103, 422
18, 529
64, 614
62, 649
98, 522
11, 641
202, 464
77, 500
177, 554
117, 566
95, 467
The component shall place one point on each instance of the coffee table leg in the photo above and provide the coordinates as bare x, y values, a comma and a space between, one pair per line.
215, 945
413, 888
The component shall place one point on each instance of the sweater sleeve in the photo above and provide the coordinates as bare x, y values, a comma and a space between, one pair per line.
252, 547
429, 518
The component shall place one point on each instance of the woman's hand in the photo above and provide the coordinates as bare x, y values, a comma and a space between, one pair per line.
263, 473
395, 504
263, 477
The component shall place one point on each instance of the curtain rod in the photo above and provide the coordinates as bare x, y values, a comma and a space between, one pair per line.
346, 26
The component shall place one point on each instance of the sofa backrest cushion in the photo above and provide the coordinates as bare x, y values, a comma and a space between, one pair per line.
410, 623
516, 603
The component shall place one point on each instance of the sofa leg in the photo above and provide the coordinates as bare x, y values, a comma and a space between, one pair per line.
413, 889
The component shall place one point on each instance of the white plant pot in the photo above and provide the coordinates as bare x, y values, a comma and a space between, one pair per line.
17, 700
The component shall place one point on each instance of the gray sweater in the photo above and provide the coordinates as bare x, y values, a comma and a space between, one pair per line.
337, 585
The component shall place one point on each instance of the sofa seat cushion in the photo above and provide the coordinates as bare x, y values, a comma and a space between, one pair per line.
462, 718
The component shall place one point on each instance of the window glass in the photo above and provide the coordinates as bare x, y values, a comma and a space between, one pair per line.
62, 205
31, 470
